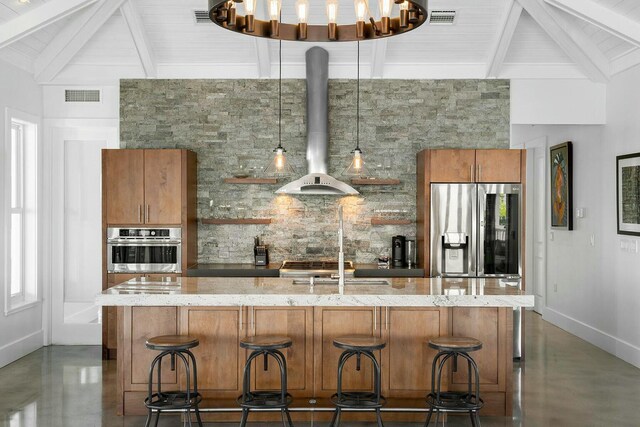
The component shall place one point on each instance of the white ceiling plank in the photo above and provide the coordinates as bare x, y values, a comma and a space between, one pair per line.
379, 58
72, 38
503, 41
38, 18
136, 27
601, 16
571, 39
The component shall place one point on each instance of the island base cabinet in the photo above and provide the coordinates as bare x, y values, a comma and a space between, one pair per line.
297, 324
407, 357
136, 326
312, 360
494, 327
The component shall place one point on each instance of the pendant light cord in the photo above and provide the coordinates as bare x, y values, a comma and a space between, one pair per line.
280, 94
358, 103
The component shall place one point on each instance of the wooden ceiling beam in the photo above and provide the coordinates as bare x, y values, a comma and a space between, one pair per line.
63, 47
571, 39
501, 45
603, 17
38, 18
143, 46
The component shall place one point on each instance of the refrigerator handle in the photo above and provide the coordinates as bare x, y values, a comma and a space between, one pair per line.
481, 219
474, 232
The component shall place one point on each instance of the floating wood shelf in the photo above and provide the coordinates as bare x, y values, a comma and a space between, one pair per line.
240, 221
375, 181
251, 180
385, 221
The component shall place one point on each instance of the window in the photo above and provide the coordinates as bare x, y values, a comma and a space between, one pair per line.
21, 216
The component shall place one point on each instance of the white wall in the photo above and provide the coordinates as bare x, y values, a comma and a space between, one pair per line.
20, 332
598, 287
558, 101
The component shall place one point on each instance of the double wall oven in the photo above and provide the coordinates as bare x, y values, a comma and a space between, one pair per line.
144, 250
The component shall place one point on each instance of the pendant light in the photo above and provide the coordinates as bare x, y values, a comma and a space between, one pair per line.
279, 166
357, 168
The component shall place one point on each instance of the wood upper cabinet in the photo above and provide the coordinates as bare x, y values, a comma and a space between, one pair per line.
452, 165
219, 356
297, 324
334, 322
123, 186
498, 166
162, 186
143, 186
407, 330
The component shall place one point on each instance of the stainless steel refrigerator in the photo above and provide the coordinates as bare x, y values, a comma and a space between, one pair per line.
476, 231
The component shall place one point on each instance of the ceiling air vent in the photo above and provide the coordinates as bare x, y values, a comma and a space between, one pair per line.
442, 17
74, 95
202, 17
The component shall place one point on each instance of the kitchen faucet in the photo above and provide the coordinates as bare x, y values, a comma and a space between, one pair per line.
341, 246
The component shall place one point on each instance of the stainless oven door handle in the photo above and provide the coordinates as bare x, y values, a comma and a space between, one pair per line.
144, 243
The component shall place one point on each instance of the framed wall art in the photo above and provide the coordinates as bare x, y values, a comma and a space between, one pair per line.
628, 194
562, 186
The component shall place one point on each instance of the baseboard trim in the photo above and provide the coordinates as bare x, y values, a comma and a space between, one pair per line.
19, 348
619, 348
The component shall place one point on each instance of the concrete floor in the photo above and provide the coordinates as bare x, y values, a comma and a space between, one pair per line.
565, 382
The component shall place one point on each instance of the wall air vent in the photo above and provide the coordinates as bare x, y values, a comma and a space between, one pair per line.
442, 17
84, 95
202, 17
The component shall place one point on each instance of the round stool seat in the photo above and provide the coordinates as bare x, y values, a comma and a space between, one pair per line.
359, 343
458, 344
265, 342
172, 342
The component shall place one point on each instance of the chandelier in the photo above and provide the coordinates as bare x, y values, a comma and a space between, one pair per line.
410, 15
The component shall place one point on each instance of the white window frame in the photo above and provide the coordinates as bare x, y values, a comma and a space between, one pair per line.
29, 294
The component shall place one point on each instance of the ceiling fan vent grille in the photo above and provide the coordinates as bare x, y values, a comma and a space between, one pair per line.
442, 17
202, 17
75, 95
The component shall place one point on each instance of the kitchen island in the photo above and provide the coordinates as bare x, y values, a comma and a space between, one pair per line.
406, 312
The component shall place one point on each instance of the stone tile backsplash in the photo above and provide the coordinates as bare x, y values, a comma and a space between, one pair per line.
233, 125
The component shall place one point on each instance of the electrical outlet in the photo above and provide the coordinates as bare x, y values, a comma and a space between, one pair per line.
555, 287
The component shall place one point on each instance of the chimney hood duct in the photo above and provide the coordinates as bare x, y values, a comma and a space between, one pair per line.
317, 181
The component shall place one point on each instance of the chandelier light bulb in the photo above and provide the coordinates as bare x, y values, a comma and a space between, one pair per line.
385, 8
274, 9
302, 10
361, 10
250, 7
404, 5
332, 11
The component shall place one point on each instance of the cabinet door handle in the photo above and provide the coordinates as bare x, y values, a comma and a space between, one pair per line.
479, 173
240, 318
140, 214
253, 320
471, 173
146, 217
374, 318
387, 318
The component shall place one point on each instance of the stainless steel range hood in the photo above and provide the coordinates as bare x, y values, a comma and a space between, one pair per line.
317, 181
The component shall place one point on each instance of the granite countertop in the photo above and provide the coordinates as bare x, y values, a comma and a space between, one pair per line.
273, 270
409, 292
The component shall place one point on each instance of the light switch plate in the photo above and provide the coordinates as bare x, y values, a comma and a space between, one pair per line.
551, 236
580, 212
592, 240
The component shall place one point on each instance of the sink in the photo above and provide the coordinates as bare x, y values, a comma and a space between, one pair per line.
350, 281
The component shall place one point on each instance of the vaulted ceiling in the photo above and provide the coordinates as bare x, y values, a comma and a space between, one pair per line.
88, 41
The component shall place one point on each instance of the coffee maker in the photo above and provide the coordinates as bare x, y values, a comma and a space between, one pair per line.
397, 250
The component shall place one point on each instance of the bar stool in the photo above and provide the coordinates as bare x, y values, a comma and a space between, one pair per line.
358, 346
454, 401
174, 346
267, 346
